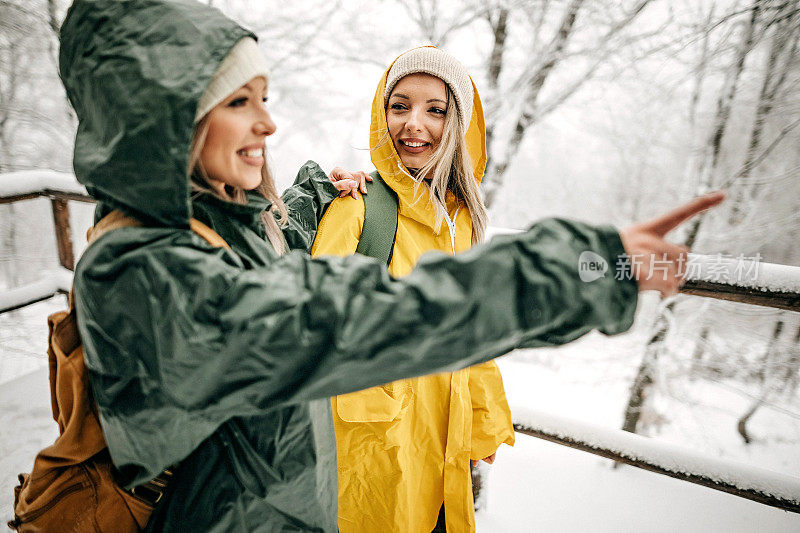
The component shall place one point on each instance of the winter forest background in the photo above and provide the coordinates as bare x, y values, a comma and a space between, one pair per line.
609, 111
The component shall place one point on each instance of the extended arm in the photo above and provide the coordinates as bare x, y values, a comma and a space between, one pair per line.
180, 338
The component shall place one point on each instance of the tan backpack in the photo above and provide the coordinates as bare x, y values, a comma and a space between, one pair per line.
72, 485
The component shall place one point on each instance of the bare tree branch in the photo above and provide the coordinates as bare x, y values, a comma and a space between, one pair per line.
763, 155
771, 85
52, 16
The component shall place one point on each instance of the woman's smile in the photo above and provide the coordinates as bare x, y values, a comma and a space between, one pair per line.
252, 155
414, 146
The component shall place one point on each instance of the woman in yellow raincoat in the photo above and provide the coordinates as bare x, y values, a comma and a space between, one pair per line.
404, 449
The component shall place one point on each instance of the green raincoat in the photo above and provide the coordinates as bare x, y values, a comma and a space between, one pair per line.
220, 362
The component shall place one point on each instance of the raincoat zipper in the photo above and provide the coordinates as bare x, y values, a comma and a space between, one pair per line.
451, 224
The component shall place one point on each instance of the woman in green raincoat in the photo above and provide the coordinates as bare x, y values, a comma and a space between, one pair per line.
219, 362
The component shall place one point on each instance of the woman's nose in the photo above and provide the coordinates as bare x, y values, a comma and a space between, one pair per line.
265, 125
413, 122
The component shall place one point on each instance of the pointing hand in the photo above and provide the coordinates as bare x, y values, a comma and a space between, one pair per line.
657, 264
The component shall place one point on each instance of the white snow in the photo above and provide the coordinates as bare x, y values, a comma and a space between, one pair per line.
661, 454
491, 231
539, 486
744, 272
27, 426
59, 279
32, 181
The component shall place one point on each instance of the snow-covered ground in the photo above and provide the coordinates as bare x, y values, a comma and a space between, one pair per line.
23, 338
588, 381
544, 487
27, 427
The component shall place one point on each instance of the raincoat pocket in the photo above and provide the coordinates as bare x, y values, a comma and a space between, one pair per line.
378, 404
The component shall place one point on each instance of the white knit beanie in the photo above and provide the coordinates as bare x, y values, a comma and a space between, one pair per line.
439, 63
243, 63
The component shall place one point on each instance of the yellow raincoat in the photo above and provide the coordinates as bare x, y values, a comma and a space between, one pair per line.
405, 448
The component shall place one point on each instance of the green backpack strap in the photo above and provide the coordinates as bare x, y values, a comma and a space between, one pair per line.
380, 220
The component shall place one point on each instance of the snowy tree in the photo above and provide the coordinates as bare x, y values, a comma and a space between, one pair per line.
36, 126
759, 54
538, 54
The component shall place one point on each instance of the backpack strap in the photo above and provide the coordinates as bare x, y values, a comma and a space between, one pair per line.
117, 219
114, 220
380, 220
211, 237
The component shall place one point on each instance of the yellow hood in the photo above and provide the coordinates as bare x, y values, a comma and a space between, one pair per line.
395, 174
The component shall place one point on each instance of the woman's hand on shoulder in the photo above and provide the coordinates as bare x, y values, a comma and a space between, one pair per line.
657, 264
488, 460
349, 183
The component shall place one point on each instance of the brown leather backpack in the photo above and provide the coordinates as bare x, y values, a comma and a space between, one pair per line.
72, 485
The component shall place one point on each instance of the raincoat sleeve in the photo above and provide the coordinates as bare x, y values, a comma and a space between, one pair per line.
491, 417
306, 201
180, 338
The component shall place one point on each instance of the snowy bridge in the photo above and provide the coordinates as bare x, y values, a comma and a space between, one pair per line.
734, 279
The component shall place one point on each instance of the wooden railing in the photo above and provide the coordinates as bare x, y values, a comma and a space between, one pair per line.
60, 188
741, 480
774, 285
746, 481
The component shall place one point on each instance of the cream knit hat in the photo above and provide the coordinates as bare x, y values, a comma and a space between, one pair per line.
243, 63
439, 63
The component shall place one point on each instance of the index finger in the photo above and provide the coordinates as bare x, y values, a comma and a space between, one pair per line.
671, 220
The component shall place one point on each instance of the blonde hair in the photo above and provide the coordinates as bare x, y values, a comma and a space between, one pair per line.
199, 182
450, 169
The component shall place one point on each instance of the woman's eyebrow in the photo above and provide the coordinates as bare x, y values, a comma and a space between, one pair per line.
399, 95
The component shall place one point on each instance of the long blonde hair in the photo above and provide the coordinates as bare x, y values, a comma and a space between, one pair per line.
199, 181
450, 169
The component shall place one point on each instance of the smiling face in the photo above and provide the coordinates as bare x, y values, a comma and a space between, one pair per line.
233, 152
415, 117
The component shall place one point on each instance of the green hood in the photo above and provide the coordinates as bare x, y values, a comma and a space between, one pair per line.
135, 92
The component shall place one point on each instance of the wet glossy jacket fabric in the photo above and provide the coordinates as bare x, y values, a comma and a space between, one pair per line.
222, 361
404, 448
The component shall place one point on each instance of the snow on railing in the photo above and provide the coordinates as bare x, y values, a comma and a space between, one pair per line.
744, 272
57, 281
743, 280
60, 188
736, 279
15, 186
746, 481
